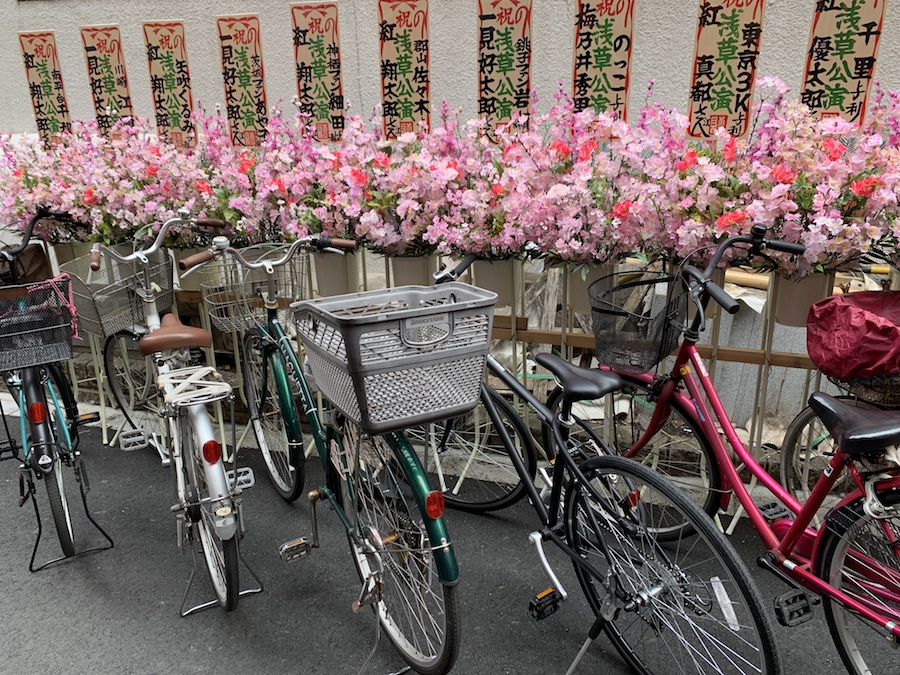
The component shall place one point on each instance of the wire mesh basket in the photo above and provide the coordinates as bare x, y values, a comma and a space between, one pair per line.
881, 390
36, 323
107, 301
394, 358
233, 294
637, 318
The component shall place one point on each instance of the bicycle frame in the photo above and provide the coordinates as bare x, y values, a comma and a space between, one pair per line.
787, 547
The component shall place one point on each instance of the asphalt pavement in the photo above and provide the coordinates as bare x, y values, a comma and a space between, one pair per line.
116, 611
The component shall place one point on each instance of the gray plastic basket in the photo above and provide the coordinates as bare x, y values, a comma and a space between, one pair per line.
109, 303
394, 358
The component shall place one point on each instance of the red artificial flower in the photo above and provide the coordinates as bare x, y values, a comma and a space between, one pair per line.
622, 209
453, 164
358, 178
151, 171
587, 149
279, 185
204, 187
726, 220
562, 149
834, 149
18, 172
153, 150
689, 161
246, 164
382, 160
497, 190
89, 197
729, 152
864, 187
782, 174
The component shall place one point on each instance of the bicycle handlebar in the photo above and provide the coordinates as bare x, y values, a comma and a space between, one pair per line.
222, 245
41, 213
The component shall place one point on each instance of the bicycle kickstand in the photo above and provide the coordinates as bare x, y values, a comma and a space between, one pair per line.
593, 634
213, 603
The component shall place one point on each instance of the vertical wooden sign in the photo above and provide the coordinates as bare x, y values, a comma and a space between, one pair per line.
603, 39
244, 78
106, 74
726, 53
170, 82
504, 59
840, 61
45, 84
405, 68
317, 57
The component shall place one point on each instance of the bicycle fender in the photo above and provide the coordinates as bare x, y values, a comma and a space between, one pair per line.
441, 547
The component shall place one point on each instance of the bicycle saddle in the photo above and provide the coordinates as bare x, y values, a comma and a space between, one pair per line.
580, 384
173, 334
857, 430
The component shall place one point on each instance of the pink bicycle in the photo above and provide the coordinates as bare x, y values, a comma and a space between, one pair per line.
852, 562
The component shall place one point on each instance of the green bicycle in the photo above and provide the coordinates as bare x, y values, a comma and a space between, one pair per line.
373, 479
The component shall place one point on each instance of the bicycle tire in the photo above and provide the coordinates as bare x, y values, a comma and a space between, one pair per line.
132, 382
862, 646
220, 555
267, 391
677, 606
59, 508
450, 449
684, 454
418, 612
805, 452
67, 399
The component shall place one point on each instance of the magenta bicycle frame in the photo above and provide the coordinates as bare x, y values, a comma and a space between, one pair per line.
784, 547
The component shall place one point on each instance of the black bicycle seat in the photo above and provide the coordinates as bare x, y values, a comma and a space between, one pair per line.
856, 430
580, 384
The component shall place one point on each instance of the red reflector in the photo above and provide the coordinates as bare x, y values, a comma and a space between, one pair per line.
37, 413
212, 452
434, 504
634, 498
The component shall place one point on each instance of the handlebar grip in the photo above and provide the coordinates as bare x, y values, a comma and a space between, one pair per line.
211, 222
95, 259
337, 242
718, 294
786, 247
196, 259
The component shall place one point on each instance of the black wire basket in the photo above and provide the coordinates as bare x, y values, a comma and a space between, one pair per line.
638, 318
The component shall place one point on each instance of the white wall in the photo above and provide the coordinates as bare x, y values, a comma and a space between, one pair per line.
662, 51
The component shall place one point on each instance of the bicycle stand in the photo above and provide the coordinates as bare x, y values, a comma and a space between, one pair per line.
214, 603
84, 488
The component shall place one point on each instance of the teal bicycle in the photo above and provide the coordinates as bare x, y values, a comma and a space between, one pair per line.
373, 479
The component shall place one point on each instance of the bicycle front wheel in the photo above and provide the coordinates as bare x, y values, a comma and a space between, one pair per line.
858, 555
678, 450
688, 605
395, 561
467, 461
220, 555
132, 382
274, 415
59, 508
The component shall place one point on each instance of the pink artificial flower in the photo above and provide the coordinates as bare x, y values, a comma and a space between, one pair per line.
864, 187
454, 165
562, 148
622, 209
358, 178
382, 160
834, 149
587, 149
782, 174
689, 161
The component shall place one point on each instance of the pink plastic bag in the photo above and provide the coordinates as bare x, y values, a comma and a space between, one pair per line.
856, 335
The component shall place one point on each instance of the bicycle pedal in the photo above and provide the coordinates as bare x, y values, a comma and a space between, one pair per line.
133, 439
544, 604
297, 549
793, 608
245, 478
773, 511
87, 418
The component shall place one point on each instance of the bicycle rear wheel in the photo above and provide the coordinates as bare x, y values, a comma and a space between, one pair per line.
132, 381
465, 458
679, 450
395, 561
858, 555
276, 426
688, 605
220, 555
59, 507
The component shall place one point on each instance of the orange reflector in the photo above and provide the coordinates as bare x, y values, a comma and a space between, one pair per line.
634, 498
212, 451
37, 413
434, 504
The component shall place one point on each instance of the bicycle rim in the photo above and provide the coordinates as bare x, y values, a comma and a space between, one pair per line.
466, 460
220, 555
282, 456
132, 381
685, 606
805, 453
679, 450
395, 561
859, 555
